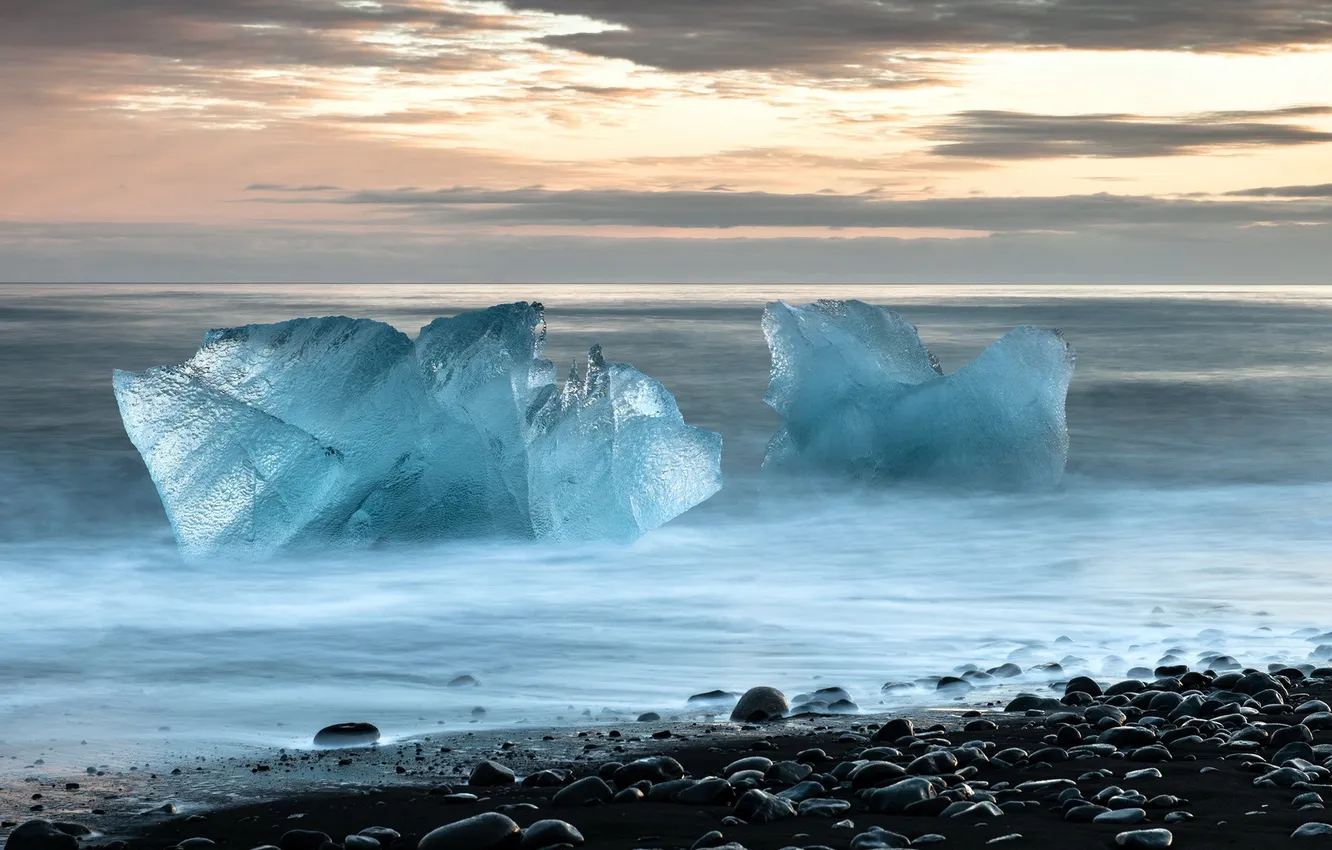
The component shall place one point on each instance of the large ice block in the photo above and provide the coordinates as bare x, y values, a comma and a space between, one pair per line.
860, 395
340, 432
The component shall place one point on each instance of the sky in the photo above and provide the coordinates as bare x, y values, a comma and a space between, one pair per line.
666, 140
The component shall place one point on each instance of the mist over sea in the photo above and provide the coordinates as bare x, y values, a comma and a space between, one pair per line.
1199, 481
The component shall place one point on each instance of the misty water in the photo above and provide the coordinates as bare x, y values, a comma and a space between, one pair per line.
1199, 481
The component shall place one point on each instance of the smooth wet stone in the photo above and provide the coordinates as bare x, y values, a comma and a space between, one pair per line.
548, 833
489, 831
346, 735
895, 729
711, 791
1144, 773
1145, 839
759, 763
649, 717
464, 681
40, 835
823, 808
878, 838
303, 839
758, 806
759, 704
1179, 817
1313, 830
709, 840
383, 834
196, 844
1124, 816
895, 798
1299, 733
664, 792
713, 698
653, 769
933, 764
1083, 684
976, 811
491, 774
1010, 838
876, 774
1294, 750
1085, 813
588, 791
545, 779
786, 773
1028, 702
360, 842
806, 790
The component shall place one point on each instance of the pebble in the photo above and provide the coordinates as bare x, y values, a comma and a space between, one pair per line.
1308, 830
491, 774
40, 835
346, 735
895, 798
652, 769
489, 831
588, 791
760, 704
877, 838
382, 834
757, 806
1145, 839
823, 808
1124, 816
549, 833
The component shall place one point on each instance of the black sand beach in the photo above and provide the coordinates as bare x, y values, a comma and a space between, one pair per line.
1229, 759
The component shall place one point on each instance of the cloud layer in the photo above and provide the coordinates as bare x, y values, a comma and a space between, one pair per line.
988, 134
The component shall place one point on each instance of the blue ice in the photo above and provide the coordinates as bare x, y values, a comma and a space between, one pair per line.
344, 433
861, 396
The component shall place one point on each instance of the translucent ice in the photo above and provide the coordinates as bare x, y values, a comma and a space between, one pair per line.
345, 432
860, 395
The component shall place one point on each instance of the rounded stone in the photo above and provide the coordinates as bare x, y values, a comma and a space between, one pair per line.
652, 769
1308, 830
347, 735
896, 797
892, 730
588, 791
40, 835
1145, 839
491, 774
757, 806
1124, 816
490, 831
548, 833
759, 704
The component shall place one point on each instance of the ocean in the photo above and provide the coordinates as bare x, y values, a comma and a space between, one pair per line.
1198, 497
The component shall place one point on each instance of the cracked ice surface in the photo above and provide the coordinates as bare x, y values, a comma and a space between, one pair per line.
338, 432
860, 395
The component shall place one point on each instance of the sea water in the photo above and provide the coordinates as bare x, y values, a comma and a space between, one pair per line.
1198, 496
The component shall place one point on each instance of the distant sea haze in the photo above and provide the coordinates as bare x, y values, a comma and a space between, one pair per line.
1199, 480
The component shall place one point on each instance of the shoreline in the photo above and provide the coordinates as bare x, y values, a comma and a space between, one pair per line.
1217, 761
